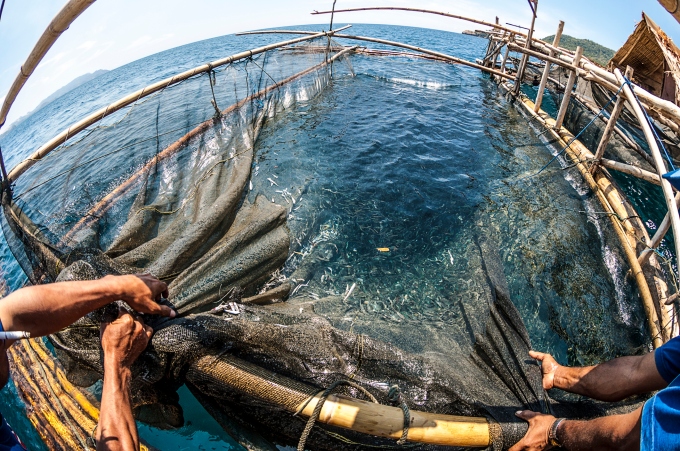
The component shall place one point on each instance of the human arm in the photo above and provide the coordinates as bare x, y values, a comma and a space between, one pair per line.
610, 381
45, 309
614, 432
123, 340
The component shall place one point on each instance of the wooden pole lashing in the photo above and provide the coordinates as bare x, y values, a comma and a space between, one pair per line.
568, 88
611, 125
546, 71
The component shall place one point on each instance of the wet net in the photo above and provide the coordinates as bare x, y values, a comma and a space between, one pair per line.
171, 186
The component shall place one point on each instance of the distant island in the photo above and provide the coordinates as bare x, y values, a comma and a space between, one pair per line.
596, 52
73, 84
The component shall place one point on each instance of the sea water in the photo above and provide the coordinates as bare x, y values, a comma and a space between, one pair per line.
394, 168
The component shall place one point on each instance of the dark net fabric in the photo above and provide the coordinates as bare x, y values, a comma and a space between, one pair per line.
173, 198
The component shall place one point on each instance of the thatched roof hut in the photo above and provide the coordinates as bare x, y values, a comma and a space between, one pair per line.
654, 58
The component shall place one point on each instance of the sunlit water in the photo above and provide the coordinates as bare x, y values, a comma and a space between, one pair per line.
389, 176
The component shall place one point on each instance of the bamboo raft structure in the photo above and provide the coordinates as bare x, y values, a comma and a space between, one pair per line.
65, 417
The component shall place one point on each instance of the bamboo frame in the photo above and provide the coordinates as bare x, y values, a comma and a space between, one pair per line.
59, 24
658, 160
135, 96
614, 203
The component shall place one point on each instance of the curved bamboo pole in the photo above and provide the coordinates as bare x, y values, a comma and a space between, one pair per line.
135, 96
341, 411
426, 11
673, 7
658, 160
440, 55
59, 24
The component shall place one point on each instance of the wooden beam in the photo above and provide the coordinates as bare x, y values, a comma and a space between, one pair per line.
611, 125
546, 70
568, 88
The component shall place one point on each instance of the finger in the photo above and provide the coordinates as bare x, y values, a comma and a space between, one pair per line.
537, 355
148, 330
167, 311
525, 414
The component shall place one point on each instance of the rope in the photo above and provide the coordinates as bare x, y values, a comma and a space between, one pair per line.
394, 395
322, 400
650, 122
575, 137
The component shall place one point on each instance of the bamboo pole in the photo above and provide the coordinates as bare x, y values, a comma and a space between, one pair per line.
135, 96
59, 24
659, 235
443, 56
427, 11
611, 125
544, 57
340, 411
546, 71
673, 7
658, 159
507, 52
568, 88
630, 170
525, 57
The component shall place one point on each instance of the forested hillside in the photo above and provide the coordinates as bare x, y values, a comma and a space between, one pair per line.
596, 52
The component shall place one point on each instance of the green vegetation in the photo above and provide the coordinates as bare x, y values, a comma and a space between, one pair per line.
594, 51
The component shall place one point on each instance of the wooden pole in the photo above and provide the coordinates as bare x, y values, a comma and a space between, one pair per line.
59, 24
442, 56
568, 88
658, 159
659, 235
611, 125
647, 176
507, 52
546, 71
135, 96
673, 7
525, 57
427, 11
341, 411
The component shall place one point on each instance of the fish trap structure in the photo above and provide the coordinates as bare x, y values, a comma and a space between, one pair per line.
176, 199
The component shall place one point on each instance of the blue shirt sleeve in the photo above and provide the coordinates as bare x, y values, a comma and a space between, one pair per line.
660, 429
667, 359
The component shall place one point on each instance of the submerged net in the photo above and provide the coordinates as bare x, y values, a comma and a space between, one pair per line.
172, 186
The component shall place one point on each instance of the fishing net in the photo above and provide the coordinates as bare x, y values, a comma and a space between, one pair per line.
171, 186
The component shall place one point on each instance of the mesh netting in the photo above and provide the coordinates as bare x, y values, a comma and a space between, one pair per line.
166, 186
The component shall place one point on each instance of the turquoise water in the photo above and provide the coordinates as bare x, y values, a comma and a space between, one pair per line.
411, 155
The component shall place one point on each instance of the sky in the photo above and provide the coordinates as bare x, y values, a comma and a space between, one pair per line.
112, 33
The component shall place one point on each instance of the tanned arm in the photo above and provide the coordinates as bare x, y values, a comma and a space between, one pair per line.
611, 381
614, 432
45, 309
123, 340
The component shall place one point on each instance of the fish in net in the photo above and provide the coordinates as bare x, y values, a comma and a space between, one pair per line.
173, 199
